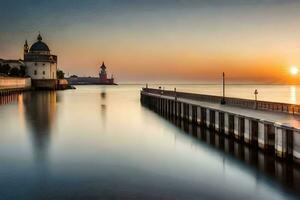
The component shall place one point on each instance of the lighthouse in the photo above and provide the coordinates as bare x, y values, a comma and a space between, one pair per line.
103, 76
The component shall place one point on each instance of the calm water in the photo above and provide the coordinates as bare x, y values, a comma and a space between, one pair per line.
100, 143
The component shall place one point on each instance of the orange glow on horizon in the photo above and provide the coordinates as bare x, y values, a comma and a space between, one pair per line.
256, 44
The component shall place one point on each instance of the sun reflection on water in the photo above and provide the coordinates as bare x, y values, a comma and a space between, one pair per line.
293, 97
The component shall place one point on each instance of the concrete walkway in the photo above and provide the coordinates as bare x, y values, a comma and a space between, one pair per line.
270, 116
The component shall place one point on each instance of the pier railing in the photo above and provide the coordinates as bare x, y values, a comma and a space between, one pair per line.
244, 103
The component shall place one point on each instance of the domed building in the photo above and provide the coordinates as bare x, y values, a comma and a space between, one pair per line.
41, 65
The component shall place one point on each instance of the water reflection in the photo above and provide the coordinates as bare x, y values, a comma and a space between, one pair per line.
138, 155
293, 95
103, 95
103, 104
40, 111
288, 174
6, 99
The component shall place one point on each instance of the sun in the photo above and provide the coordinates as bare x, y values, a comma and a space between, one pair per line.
294, 70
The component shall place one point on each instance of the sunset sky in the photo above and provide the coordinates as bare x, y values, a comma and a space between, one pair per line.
161, 40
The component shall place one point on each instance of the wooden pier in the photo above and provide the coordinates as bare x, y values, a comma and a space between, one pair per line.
269, 126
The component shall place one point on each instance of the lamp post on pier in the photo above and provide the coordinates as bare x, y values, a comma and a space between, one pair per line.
255, 93
223, 83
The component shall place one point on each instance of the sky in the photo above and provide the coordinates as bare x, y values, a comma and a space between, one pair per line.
186, 41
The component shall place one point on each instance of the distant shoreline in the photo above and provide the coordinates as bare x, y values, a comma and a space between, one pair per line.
95, 84
90, 81
162, 84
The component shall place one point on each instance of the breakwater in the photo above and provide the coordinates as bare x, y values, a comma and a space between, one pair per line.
271, 127
10, 87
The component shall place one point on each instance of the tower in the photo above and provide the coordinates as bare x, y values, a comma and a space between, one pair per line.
26, 48
39, 37
103, 74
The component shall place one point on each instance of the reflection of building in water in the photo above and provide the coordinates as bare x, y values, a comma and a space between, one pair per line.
40, 110
103, 95
9, 98
103, 111
103, 105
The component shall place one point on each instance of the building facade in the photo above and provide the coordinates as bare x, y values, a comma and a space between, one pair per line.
12, 63
101, 80
40, 64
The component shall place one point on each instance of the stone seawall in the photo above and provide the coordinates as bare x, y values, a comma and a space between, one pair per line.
62, 84
14, 82
44, 84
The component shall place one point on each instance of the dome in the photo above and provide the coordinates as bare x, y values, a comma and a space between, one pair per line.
39, 45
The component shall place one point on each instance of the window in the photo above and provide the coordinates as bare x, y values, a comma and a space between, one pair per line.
43, 72
35, 72
35, 64
43, 64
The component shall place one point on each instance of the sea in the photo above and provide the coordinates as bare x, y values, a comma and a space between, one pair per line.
99, 142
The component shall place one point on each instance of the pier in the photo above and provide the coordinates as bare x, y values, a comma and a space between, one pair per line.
269, 126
